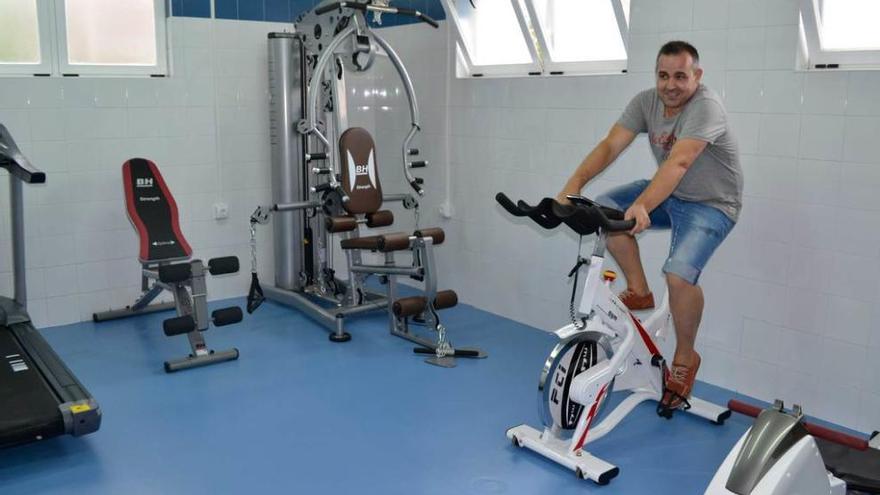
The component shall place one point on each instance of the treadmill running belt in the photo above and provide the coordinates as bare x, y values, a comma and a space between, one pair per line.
27, 407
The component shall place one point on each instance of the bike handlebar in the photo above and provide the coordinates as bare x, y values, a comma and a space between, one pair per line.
583, 216
12, 160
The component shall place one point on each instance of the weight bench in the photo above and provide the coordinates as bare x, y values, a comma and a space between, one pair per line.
165, 257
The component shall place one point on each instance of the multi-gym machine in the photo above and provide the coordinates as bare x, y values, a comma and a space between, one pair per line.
325, 180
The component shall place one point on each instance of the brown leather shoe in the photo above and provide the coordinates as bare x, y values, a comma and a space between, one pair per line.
680, 384
636, 302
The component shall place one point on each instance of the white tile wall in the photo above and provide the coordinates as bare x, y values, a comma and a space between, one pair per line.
792, 291
210, 145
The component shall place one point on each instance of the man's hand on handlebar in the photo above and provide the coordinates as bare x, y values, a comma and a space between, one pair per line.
639, 213
562, 199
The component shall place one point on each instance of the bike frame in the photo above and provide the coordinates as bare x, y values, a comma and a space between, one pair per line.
635, 365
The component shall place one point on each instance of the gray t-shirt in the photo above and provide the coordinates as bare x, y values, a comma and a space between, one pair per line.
715, 178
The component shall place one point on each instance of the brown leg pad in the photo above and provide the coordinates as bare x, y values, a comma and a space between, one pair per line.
435, 233
340, 224
445, 299
408, 306
394, 242
414, 305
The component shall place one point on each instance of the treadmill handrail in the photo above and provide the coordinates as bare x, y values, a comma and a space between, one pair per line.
14, 161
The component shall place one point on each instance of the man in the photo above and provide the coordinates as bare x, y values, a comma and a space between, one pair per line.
697, 192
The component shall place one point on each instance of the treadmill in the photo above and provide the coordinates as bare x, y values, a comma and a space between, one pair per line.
39, 396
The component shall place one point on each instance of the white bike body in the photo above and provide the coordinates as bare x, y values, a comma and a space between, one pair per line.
635, 365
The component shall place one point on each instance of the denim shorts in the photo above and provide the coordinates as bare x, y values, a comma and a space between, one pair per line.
697, 229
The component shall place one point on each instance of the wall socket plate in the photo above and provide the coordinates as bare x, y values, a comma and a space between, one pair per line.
446, 210
221, 211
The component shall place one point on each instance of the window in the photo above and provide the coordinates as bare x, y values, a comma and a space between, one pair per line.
24, 44
493, 38
97, 37
840, 33
519, 37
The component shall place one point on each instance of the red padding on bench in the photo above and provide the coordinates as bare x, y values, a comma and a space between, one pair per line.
138, 222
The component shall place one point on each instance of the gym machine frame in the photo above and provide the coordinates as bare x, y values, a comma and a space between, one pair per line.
308, 111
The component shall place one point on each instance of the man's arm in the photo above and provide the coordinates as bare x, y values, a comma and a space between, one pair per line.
603, 154
681, 157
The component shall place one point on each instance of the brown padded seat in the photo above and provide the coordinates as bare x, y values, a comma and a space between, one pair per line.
360, 174
385, 243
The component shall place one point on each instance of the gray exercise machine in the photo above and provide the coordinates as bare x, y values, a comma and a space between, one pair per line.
783, 454
325, 180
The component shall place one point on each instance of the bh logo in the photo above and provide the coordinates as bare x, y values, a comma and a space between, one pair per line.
144, 182
356, 170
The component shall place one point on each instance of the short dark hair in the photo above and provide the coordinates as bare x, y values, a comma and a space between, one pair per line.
676, 47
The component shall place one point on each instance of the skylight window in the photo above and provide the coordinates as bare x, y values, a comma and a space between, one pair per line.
840, 33
534, 37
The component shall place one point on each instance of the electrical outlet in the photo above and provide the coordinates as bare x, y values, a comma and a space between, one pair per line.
446, 210
221, 211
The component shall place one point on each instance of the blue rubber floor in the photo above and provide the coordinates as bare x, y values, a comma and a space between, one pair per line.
299, 414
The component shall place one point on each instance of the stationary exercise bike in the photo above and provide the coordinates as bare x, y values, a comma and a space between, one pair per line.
605, 346
783, 454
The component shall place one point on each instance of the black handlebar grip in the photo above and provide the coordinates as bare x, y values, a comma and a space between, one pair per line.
418, 164
223, 265
615, 225
171, 274
323, 187
456, 353
429, 20
620, 225
179, 325
415, 184
327, 8
226, 316
316, 156
508, 205
339, 5
12, 159
415, 13
412, 151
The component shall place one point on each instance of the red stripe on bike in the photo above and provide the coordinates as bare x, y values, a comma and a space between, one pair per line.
590, 418
649, 343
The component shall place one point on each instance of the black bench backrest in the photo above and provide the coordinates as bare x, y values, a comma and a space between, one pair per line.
153, 212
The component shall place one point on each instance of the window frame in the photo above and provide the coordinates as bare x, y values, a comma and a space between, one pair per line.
543, 64
817, 58
581, 67
475, 70
52, 25
45, 20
